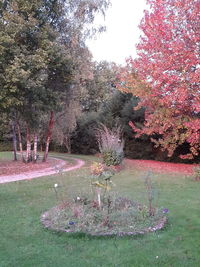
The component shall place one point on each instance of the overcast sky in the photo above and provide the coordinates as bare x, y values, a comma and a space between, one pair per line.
118, 42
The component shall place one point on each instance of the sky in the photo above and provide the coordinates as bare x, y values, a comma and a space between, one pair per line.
122, 34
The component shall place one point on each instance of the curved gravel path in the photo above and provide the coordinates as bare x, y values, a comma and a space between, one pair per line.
44, 172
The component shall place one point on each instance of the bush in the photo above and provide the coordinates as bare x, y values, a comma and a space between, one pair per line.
110, 144
6, 146
112, 157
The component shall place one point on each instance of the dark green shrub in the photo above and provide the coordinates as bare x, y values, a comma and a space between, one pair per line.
112, 157
6, 146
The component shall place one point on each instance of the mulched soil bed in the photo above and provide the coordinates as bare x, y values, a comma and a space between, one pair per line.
18, 167
47, 223
162, 167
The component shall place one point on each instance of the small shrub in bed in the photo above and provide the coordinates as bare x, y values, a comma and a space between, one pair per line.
150, 191
100, 180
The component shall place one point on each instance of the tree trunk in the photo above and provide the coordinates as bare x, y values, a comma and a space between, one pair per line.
28, 145
35, 148
14, 141
41, 143
20, 141
48, 138
67, 142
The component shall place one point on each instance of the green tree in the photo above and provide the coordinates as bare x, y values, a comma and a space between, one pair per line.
101, 86
39, 44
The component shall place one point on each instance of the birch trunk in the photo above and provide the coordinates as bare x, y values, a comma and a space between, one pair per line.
48, 138
14, 141
28, 145
35, 148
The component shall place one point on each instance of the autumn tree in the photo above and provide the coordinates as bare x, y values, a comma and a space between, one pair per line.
165, 75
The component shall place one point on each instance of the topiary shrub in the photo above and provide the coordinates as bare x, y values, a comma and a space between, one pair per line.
112, 157
110, 144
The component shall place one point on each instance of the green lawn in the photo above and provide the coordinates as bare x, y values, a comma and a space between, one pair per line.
24, 242
5, 155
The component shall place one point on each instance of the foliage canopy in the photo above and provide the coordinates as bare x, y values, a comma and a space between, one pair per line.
165, 76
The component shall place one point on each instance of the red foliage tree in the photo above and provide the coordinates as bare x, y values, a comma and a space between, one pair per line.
166, 74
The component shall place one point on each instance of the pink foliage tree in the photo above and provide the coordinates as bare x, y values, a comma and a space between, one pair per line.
166, 74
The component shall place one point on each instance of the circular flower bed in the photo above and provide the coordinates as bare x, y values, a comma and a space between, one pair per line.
115, 216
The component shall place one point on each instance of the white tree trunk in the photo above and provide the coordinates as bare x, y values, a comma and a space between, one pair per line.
35, 148
28, 145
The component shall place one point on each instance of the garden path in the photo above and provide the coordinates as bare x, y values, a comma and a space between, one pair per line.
55, 169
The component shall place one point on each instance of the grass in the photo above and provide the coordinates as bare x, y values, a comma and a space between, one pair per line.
24, 242
5, 155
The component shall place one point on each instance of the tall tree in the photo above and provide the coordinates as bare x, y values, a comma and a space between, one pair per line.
100, 86
65, 124
165, 75
39, 45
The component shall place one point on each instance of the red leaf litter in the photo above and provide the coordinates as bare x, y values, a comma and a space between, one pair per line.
18, 167
162, 167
